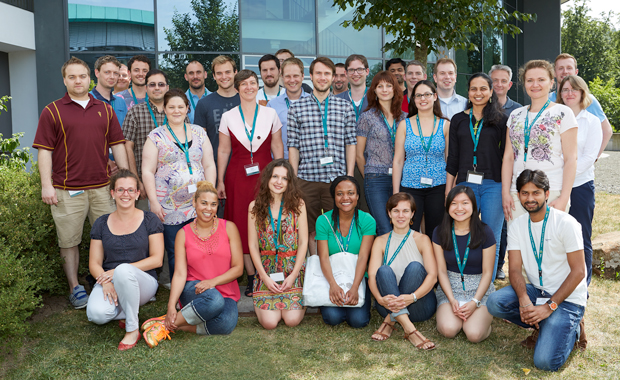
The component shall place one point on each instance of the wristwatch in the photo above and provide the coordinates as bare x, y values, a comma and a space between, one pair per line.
552, 305
415, 299
478, 303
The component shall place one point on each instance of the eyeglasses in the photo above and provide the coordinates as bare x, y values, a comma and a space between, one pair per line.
359, 70
160, 84
570, 91
427, 95
121, 190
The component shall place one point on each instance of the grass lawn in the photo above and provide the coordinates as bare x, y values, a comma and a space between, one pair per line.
66, 345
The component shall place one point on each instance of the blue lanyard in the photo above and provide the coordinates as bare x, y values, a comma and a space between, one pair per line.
341, 238
288, 104
458, 258
324, 118
391, 129
528, 128
191, 98
358, 110
135, 100
430, 139
276, 232
265, 94
387, 248
148, 104
539, 254
184, 147
250, 135
475, 134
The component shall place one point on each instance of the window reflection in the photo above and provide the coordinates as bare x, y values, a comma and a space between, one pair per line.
90, 59
174, 65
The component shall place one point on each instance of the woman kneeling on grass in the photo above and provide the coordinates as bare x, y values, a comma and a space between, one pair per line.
208, 262
465, 254
402, 273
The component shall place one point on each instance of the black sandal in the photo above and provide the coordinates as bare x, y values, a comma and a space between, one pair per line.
248, 288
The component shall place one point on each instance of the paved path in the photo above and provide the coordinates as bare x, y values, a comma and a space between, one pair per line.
607, 173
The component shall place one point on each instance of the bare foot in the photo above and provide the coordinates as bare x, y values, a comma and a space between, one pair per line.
384, 331
419, 340
131, 337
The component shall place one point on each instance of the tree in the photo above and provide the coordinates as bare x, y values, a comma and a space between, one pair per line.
213, 28
609, 97
432, 26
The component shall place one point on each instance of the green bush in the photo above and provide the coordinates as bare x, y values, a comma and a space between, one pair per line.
609, 97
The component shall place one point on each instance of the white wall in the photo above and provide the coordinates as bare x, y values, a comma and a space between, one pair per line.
24, 103
16, 29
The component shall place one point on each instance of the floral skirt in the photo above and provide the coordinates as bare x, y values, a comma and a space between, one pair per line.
471, 287
292, 299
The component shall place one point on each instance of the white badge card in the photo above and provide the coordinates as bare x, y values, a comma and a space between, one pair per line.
277, 277
475, 177
461, 303
73, 193
191, 188
426, 181
327, 160
541, 301
390, 171
251, 169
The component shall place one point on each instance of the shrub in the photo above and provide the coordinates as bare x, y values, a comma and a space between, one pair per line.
609, 97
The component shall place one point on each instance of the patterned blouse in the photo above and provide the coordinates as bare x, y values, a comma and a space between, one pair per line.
417, 165
379, 152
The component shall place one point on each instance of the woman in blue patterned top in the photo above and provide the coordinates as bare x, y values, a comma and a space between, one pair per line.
376, 133
420, 156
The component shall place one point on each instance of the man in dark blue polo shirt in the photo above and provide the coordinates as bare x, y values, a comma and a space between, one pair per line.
107, 71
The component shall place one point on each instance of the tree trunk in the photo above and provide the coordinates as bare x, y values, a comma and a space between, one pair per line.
421, 53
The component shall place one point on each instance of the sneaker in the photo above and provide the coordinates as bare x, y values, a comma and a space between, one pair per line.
155, 334
149, 322
78, 297
167, 286
500, 274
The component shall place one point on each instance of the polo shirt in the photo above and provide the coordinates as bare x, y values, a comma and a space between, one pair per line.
594, 108
117, 103
80, 139
192, 105
452, 105
405, 105
281, 106
510, 106
358, 110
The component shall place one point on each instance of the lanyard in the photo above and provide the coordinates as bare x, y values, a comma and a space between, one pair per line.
358, 110
458, 258
265, 94
387, 248
392, 129
430, 139
250, 135
539, 254
288, 104
475, 134
148, 104
276, 232
135, 100
527, 128
341, 238
184, 147
324, 118
191, 98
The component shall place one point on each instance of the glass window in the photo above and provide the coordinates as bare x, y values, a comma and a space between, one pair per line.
468, 62
270, 25
335, 40
174, 65
90, 59
491, 49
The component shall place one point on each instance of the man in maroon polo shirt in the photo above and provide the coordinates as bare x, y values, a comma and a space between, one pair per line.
73, 139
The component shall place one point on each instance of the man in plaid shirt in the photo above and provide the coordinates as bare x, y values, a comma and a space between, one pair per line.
321, 141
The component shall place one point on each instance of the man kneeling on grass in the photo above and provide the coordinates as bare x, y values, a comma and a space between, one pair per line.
548, 243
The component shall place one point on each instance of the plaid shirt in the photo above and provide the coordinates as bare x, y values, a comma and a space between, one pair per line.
305, 133
137, 126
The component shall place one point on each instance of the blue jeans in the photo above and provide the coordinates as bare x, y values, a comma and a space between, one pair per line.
557, 333
584, 197
170, 235
211, 313
412, 279
356, 317
489, 200
378, 189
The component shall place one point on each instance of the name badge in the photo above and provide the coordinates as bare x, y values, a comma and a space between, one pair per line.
191, 188
328, 160
426, 181
262, 102
390, 171
461, 303
277, 276
541, 301
251, 169
73, 193
475, 177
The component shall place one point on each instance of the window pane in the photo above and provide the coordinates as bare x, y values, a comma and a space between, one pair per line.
270, 25
90, 59
492, 49
109, 25
468, 62
174, 64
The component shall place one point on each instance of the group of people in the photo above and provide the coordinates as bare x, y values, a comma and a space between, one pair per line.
427, 188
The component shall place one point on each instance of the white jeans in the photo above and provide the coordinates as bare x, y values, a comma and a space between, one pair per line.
133, 287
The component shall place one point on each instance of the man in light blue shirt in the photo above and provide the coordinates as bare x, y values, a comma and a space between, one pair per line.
444, 75
195, 75
293, 75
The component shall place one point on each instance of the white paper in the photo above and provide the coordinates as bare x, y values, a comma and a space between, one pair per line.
73, 193
426, 181
277, 276
390, 171
327, 160
191, 188
475, 178
251, 169
461, 303
541, 301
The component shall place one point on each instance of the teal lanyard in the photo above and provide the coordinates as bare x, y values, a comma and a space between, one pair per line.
135, 100
288, 104
324, 118
527, 128
276, 232
387, 248
391, 129
148, 104
475, 134
265, 94
184, 147
430, 139
341, 238
358, 110
458, 258
539, 254
250, 135
191, 98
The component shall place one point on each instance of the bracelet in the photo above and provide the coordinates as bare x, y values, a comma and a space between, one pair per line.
523, 307
415, 299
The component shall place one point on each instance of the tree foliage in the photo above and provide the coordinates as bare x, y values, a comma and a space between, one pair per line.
609, 97
432, 26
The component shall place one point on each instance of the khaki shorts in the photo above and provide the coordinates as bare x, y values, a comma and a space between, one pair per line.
553, 195
70, 213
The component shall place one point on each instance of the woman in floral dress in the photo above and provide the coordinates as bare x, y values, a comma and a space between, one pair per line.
278, 240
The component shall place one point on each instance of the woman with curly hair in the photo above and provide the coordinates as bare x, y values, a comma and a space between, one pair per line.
278, 240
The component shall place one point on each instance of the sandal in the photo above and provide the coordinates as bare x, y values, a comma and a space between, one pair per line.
420, 346
248, 288
381, 330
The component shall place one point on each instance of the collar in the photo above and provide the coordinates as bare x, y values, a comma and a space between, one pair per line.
303, 94
189, 93
582, 114
509, 103
99, 96
450, 99
67, 99
154, 107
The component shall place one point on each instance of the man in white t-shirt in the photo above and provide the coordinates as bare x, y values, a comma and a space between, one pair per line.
548, 244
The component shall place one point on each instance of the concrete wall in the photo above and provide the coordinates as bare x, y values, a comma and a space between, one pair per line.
614, 143
5, 89
16, 29
24, 104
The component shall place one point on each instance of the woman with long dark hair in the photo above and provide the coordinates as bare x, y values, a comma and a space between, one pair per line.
465, 253
477, 141
278, 240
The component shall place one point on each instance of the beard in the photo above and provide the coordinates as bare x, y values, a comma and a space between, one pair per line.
539, 206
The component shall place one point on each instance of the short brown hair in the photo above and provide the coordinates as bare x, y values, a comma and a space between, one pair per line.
397, 100
243, 75
173, 93
293, 61
356, 57
565, 56
415, 62
441, 61
74, 61
399, 197
139, 58
122, 173
285, 51
576, 83
536, 64
324, 60
106, 59
222, 59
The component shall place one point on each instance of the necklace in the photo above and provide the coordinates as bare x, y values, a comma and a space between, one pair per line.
206, 243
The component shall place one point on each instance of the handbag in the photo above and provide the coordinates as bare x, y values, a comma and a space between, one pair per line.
316, 287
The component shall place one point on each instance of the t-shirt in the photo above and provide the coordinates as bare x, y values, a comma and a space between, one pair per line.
208, 114
545, 144
474, 259
127, 96
562, 235
129, 248
365, 226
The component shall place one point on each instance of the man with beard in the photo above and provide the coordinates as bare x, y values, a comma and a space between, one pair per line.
414, 72
195, 75
138, 66
269, 67
321, 142
444, 75
549, 245
397, 67
341, 82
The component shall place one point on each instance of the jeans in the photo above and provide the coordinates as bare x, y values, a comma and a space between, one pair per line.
557, 333
378, 190
356, 317
430, 203
211, 313
412, 279
170, 235
489, 200
584, 197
